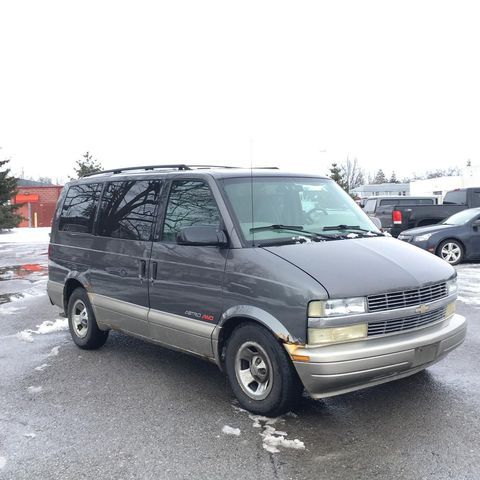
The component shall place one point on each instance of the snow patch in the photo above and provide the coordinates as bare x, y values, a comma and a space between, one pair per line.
29, 435
273, 439
34, 389
230, 430
3, 462
26, 235
54, 352
42, 367
45, 327
25, 336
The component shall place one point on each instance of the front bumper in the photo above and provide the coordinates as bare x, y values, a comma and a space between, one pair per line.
342, 368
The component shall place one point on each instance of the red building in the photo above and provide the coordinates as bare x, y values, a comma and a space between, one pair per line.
39, 203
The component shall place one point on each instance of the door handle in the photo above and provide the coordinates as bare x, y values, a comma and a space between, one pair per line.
154, 272
142, 270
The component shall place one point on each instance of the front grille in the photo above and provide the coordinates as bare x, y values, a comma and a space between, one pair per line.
406, 298
406, 323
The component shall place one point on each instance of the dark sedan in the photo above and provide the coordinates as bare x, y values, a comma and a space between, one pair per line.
455, 239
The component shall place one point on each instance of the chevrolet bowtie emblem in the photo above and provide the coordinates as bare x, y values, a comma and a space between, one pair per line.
422, 309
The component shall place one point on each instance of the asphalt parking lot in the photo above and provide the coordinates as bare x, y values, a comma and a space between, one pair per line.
134, 410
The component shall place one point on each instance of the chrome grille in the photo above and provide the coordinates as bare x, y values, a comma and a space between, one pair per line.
406, 298
406, 323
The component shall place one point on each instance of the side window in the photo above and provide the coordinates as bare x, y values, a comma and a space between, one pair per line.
370, 206
190, 203
128, 209
475, 199
79, 207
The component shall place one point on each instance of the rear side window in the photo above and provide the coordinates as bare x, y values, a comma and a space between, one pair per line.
190, 203
475, 199
78, 211
128, 209
370, 206
456, 197
416, 201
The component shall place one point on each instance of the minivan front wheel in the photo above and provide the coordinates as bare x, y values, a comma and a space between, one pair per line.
260, 371
82, 323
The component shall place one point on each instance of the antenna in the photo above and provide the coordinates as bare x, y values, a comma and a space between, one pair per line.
251, 187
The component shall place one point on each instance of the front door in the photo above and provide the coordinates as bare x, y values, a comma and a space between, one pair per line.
186, 281
121, 254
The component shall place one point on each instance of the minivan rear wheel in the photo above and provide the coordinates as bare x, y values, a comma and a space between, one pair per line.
260, 371
82, 323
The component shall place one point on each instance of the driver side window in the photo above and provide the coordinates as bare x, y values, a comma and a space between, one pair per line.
190, 203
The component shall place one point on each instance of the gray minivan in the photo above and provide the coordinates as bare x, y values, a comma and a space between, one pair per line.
278, 278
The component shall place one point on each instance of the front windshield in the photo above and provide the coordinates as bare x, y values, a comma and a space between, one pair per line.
463, 217
313, 204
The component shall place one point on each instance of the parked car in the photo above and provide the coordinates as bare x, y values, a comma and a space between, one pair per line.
455, 239
380, 208
280, 279
397, 218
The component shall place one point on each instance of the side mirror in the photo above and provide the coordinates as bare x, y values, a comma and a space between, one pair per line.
476, 223
202, 236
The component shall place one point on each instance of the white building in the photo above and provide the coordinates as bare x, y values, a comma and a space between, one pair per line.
375, 189
438, 187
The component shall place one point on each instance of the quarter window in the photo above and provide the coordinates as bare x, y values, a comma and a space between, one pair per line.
128, 209
190, 203
78, 211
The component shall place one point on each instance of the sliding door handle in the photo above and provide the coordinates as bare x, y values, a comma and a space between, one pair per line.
154, 272
142, 270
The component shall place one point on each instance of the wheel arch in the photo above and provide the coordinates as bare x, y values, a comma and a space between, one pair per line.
70, 285
236, 316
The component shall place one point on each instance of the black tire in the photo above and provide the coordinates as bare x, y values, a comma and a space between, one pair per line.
85, 332
283, 385
457, 246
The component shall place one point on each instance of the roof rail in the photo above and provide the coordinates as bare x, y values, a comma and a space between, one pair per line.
174, 166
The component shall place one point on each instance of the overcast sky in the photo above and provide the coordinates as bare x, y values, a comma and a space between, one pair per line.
300, 84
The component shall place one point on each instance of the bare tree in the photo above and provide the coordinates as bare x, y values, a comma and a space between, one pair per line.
352, 173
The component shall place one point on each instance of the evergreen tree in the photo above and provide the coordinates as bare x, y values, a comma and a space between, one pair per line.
87, 165
393, 178
337, 174
380, 177
8, 189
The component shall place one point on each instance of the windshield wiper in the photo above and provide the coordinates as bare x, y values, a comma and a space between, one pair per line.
355, 228
292, 228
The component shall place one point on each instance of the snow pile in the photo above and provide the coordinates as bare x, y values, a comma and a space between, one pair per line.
3, 462
47, 326
25, 336
29, 435
273, 438
34, 389
54, 352
469, 284
42, 367
25, 235
230, 430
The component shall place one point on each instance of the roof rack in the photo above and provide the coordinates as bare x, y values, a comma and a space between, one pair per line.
174, 166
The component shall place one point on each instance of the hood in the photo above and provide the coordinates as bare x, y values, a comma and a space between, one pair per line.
427, 229
365, 266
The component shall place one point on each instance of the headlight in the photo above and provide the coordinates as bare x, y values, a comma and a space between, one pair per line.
336, 307
422, 238
336, 334
452, 286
